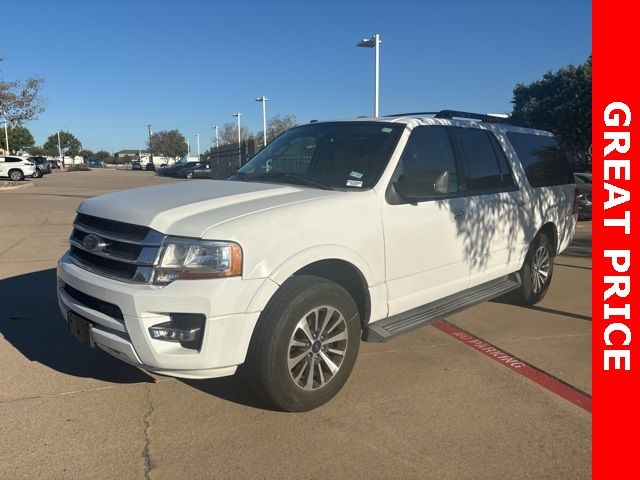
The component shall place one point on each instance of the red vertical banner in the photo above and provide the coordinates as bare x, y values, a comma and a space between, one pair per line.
616, 224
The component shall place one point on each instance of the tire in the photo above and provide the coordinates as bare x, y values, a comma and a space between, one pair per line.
535, 285
16, 175
190, 175
36, 174
283, 351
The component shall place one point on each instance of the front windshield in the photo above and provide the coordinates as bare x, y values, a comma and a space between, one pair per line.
344, 155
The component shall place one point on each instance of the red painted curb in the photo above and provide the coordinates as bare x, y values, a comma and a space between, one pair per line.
517, 365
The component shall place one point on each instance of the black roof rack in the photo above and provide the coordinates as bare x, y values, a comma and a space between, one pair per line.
482, 117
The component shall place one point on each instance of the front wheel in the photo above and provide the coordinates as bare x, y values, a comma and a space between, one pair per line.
36, 174
190, 175
305, 344
16, 175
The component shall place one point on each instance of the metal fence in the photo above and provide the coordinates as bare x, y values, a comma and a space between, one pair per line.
226, 159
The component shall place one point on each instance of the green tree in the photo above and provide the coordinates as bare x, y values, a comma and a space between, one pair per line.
19, 138
87, 154
168, 143
276, 125
37, 151
69, 144
102, 155
20, 101
560, 102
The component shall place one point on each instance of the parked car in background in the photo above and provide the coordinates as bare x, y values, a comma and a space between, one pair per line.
583, 195
169, 170
150, 167
16, 168
55, 164
42, 166
199, 170
136, 166
334, 232
94, 164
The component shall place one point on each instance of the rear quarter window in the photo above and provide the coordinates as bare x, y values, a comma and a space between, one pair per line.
544, 163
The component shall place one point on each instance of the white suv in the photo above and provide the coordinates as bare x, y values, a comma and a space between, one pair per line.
333, 233
16, 168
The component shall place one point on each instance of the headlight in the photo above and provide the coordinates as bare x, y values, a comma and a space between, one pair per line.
198, 259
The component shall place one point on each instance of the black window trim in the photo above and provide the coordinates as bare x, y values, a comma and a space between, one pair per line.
394, 198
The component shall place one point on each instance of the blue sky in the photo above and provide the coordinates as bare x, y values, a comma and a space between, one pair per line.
111, 67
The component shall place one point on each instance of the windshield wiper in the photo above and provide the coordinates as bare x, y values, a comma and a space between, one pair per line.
291, 176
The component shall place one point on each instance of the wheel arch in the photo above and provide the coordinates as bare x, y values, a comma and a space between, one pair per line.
551, 230
336, 263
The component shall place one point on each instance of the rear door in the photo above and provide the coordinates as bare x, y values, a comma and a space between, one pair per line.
492, 207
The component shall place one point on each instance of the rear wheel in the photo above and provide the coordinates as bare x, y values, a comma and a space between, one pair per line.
536, 272
305, 344
189, 175
16, 175
37, 173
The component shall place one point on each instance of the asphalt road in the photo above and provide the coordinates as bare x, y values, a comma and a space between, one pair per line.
422, 406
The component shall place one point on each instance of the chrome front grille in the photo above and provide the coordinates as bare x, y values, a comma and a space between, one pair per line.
127, 252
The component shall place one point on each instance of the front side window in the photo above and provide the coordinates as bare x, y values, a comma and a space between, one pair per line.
486, 167
344, 155
427, 155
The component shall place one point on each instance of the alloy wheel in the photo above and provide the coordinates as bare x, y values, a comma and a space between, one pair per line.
540, 269
317, 348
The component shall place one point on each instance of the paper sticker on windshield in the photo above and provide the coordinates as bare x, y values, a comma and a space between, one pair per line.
355, 174
354, 183
386, 129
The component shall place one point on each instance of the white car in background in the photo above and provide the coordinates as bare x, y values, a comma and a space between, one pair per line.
16, 168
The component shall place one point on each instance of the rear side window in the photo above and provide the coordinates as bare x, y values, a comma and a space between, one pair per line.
487, 168
544, 163
12, 159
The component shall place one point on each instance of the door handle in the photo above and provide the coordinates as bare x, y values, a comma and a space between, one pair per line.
458, 215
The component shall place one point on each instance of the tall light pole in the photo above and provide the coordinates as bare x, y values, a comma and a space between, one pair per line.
238, 115
264, 99
6, 131
374, 42
198, 144
215, 127
60, 149
188, 147
150, 152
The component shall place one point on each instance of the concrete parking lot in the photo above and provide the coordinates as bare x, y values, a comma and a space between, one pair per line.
422, 406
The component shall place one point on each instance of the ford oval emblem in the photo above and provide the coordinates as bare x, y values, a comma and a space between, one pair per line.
93, 243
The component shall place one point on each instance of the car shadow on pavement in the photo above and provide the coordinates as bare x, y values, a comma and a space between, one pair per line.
30, 320
233, 389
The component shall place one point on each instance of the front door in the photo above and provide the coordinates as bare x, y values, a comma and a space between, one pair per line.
426, 245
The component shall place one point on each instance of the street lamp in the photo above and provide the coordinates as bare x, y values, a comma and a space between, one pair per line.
264, 99
198, 144
6, 132
188, 147
374, 42
238, 115
60, 149
215, 127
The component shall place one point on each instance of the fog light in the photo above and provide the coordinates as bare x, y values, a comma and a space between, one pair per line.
166, 331
185, 328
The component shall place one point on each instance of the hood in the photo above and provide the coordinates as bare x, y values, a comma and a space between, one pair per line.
190, 208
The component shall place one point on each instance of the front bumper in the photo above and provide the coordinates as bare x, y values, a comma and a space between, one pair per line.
224, 302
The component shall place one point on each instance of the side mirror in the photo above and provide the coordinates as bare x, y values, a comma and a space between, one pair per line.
423, 185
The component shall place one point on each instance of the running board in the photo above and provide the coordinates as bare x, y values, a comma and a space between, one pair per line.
404, 322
